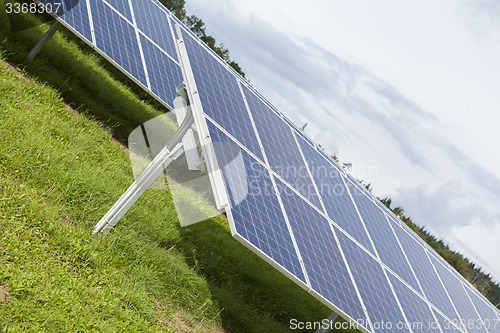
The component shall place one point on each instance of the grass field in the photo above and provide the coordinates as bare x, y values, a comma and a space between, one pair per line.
61, 168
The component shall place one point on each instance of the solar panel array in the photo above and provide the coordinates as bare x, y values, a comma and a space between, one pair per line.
319, 226
303, 213
137, 36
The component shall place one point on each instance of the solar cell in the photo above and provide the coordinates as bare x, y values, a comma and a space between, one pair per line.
376, 293
445, 325
164, 74
176, 22
323, 261
221, 96
418, 312
258, 218
383, 237
117, 39
394, 220
305, 138
402, 225
153, 22
488, 314
339, 206
281, 148
425, 273
74, 13
121, 6
466, 310
329, 159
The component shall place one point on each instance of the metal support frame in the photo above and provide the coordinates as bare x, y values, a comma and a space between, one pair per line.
212, 167
333, 318
41, 43
149, 175
188, 142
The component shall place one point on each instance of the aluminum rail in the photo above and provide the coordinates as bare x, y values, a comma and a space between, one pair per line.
146, 178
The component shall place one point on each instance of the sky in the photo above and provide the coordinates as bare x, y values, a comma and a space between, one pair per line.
406, 91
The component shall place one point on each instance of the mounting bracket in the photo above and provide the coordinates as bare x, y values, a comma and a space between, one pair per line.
150, 173
332, 319
41, 43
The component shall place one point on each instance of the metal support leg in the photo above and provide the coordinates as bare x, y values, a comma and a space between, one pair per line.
332, 319
189, 142
146, 178
41, 43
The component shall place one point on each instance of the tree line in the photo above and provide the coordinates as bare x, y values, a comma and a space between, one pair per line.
481, 280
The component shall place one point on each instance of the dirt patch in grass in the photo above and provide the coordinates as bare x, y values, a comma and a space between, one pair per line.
180, 324
122, 146
181, 321
12, 67
4, 295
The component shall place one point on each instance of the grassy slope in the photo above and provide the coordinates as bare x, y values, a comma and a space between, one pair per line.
60, 172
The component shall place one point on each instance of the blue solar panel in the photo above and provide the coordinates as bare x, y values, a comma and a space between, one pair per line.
281, 148
221, 96
383, 237
258, 218
375, 291
354, 181
329, 159
299, 133
459, 298
383, 207
417, 311
426, 274
323, 261
154, 23
122, 6
164, 74
445, 325
117, 39
74, 13
489, 319
176, 21
339, 206
394, 220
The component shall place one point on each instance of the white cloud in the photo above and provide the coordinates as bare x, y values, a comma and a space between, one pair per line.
441, 208
485, 248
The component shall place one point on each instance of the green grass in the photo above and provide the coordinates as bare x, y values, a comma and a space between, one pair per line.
59, 173
84, 80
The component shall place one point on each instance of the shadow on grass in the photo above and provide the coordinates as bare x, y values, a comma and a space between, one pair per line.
241, 282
